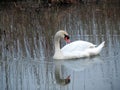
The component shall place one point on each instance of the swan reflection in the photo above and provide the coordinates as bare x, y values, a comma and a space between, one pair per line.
59, 72
66, 69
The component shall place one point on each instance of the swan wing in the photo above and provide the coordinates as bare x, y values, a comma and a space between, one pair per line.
77, 46
86, 53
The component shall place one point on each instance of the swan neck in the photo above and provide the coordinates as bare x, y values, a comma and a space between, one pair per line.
58, 53
57, 44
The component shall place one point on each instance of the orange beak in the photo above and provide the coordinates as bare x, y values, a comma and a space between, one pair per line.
67, 40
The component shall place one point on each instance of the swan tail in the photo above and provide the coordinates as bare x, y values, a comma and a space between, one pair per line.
99, 48
96, 50
101, 45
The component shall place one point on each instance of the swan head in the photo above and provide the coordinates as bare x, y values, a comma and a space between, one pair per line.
63, 34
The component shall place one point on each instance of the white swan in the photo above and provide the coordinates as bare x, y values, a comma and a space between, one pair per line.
76, 49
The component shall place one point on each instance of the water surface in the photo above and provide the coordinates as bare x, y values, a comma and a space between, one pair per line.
26, 45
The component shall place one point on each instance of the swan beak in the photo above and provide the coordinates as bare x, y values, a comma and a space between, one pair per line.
66, 38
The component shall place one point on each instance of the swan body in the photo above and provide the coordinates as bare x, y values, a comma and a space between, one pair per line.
77, 45
76, 49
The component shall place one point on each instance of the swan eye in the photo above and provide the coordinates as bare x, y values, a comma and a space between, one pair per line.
66, 37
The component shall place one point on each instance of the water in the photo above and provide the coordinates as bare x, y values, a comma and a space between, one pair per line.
26, 45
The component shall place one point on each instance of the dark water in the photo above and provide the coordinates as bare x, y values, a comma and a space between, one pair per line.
26, 45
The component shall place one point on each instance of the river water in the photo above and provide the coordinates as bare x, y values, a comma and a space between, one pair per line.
26, 45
